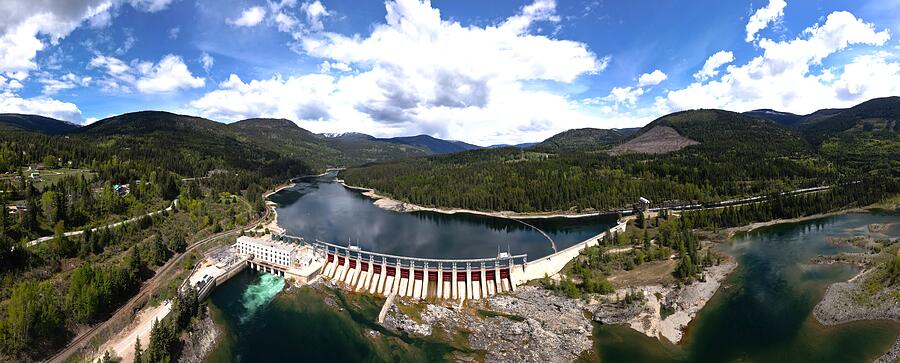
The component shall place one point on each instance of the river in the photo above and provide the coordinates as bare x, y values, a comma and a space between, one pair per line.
320, 208
763, 313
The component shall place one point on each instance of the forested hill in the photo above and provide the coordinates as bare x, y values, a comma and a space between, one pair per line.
724, 131
586, 139
284, 136
35, 123
433, 144
711, 155
189, 146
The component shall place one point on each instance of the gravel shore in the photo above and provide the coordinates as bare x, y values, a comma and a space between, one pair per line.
842, 304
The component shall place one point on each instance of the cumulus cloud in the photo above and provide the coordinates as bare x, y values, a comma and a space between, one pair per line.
314, 11
168, 75
789, 74
627, 95
12, 103
419, 73
249, 17
651, 79
763, 16
711, 67
22, 22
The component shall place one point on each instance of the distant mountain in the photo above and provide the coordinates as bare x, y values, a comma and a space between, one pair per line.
520, 146
582, 140
36, 123
784, 118
284, 136
350, 136
433, 144
714, 131
863, 137
879, 114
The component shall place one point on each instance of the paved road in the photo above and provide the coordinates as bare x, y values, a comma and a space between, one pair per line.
151, 284
113, 225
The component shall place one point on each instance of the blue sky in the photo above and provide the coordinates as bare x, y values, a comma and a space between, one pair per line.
483, 72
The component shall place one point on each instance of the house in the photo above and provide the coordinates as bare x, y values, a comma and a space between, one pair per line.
121, 189
643, 204
19, 208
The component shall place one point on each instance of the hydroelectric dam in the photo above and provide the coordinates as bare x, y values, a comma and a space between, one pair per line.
355, 269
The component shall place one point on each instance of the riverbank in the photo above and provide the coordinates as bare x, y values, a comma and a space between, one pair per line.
863, 297
684, 301
535, 324
388, 203
850, 301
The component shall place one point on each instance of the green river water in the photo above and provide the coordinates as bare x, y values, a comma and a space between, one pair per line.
763, 313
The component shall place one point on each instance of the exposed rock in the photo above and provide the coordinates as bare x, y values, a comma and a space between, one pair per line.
200, 341
849, 301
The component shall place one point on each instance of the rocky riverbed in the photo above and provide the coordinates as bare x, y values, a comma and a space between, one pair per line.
537, 325
532, 325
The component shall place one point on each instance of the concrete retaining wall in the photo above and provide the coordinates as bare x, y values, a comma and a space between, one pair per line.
552, 264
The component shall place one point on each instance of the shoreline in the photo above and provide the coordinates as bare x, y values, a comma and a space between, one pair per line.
757, 225
687, 301
390, 204
839, 306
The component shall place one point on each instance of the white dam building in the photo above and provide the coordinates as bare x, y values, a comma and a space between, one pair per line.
273, 252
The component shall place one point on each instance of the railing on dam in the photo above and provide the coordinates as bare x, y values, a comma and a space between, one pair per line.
325, 248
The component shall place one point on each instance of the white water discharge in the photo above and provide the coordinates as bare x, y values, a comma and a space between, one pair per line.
260, 294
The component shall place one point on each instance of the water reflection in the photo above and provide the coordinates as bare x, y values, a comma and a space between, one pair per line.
320, 208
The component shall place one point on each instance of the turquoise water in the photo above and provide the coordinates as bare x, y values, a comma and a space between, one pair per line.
259, 324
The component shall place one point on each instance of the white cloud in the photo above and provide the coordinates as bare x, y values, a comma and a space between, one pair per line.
168, 75
651, 79
625, 95
113, 66
174, 32
68, 81
12, 103
286, 23
314, 11
327, 66
151, 6
207, 61
785, 77
418, 73
249, 17
711, 67
763, 16
22, 22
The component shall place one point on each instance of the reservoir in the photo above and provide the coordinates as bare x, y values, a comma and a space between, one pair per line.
763, 313
321, 208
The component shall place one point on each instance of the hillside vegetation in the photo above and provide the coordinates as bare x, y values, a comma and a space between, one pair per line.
711, 155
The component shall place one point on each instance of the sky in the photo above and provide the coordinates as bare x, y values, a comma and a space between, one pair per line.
485, 72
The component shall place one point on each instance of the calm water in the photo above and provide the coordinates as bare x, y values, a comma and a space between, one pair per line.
765, 314
319, 208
